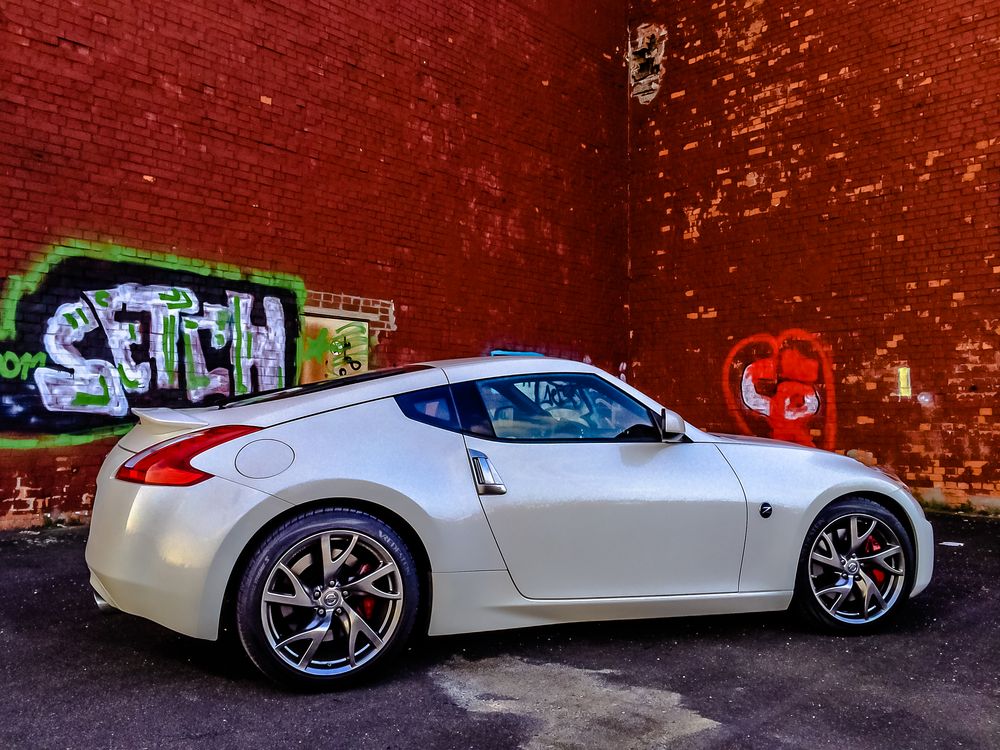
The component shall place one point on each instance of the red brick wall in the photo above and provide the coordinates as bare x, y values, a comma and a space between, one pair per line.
813, 195
465, 160
827, 166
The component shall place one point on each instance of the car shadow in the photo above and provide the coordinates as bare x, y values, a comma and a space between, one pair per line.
224, 659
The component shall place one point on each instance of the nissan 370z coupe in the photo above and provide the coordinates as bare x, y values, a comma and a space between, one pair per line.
323, 522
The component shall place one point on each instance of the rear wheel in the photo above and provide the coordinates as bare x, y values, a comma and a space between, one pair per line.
330, 596
856, 567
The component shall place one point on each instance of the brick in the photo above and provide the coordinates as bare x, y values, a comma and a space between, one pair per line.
352, 147
842, 174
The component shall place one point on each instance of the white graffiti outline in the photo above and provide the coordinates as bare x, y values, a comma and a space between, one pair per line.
176, 318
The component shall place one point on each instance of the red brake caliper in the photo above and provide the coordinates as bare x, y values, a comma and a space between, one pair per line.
871, 547
366, 602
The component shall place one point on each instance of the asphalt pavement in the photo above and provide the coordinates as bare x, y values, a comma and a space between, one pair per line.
74, 678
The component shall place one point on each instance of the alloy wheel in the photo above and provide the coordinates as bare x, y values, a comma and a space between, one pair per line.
332, 602
857, 568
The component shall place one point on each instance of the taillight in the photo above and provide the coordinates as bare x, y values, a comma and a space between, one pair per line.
169, 462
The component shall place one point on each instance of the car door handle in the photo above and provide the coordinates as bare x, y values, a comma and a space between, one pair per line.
488, 481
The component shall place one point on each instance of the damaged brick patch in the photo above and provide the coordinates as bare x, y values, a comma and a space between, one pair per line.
645, 54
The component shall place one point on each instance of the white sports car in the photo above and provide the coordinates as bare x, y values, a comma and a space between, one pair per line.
326, 522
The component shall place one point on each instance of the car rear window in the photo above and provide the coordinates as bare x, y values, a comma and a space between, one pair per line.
322, 385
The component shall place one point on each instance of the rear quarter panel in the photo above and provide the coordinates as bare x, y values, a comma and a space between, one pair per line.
371, 452
165, 553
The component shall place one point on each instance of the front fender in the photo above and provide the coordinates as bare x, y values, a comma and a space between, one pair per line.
799, 484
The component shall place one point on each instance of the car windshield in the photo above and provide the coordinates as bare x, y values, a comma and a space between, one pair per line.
322, 385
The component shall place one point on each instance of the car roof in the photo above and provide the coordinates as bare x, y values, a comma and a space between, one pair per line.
264, 409
472, 368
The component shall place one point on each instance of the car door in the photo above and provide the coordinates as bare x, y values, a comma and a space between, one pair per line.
586, 501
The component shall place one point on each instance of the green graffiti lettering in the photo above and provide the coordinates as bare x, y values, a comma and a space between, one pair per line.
94, 399
176, 299
10, 365
237, 343
31, 361
169, 345
102, 297
14, 365
126, 380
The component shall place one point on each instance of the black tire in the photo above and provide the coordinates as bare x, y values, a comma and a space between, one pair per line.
319, 615
833, 588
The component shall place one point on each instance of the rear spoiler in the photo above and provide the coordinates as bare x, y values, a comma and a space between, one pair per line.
157, 424
170, 419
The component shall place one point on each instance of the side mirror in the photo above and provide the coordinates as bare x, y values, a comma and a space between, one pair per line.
671, 426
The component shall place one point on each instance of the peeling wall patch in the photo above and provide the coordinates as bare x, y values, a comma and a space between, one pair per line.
645, 54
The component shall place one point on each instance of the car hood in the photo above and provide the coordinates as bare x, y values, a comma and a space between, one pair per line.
824, 457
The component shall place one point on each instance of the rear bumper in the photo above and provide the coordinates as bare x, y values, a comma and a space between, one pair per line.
166, 553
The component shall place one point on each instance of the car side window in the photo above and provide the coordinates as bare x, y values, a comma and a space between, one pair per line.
431, 406
563, 407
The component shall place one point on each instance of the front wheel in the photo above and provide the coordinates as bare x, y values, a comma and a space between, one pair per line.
329, 596
856, 567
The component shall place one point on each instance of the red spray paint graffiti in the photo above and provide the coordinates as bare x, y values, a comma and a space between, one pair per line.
782, 386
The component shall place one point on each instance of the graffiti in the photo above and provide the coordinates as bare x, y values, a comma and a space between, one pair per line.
175, 320
122, 329
13, 365
782, 386
333, 347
